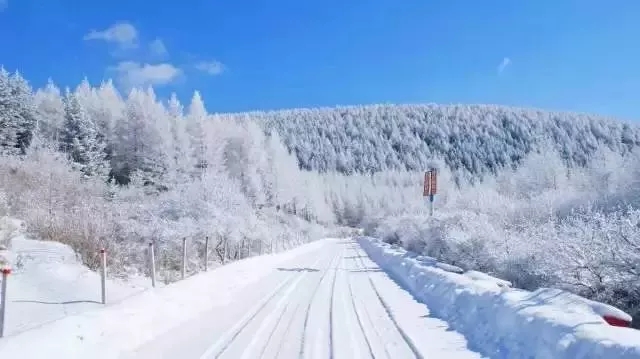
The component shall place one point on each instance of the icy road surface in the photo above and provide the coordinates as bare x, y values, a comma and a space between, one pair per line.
333, 302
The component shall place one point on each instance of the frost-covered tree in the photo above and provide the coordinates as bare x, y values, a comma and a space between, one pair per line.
17, 113
51, 113
196, 117
141, 140
180, 143
80, 140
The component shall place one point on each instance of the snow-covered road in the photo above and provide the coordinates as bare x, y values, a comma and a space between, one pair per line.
331, 302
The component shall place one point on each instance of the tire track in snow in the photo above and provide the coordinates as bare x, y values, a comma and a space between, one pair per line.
284, 302
275, 329
286, 330
308, 309
333, 290
359, 319
387, 309
222, 344
380, 338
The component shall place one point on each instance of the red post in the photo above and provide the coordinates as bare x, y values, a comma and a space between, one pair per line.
434, 182
427, 182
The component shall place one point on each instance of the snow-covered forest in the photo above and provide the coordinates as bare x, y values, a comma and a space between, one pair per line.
91, 168
472, 140
558, 204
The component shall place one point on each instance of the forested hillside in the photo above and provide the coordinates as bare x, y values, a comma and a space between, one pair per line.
94, 168
473, 140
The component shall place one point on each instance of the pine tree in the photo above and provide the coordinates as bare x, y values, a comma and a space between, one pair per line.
8, 117
17, 114
79, 139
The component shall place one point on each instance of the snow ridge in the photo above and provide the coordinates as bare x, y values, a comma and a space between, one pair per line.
501, 322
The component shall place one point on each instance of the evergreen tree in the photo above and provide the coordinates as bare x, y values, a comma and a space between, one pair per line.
79, 140
17, 114
8, 116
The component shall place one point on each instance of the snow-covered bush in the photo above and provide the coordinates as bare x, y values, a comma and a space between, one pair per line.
543, 224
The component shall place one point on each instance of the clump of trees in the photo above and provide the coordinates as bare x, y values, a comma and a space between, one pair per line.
91, 168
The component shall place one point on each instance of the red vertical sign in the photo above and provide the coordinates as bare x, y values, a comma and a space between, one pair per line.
434, 182
430, 183
427, 183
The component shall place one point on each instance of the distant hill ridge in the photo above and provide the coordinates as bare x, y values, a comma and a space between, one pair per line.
471, 139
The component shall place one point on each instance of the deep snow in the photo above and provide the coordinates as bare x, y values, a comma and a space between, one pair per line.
48, 282
502, 322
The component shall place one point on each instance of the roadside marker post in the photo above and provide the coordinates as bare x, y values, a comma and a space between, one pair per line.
103, 274
430, 187
152, 263
3, 298
184, 258
206, 253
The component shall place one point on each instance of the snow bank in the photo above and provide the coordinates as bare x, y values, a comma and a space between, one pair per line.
501, 322
49, 282
115, 329
475, 275
9, 229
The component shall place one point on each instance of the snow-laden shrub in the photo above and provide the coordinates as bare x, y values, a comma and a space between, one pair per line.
542, 224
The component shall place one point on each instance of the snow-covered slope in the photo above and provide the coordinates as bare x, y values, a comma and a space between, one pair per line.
49, 283
472, 139
502, 322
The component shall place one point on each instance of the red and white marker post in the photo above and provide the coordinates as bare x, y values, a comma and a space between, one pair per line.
3, 298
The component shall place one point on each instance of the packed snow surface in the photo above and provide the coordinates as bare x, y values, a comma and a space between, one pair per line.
48, 282
501, 322
335, 298
325, 299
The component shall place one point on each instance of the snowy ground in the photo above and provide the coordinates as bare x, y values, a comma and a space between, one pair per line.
325, 299
49, 283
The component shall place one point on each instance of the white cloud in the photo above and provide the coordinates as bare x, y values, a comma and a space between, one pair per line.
133, 74
4, 4
123, 34
211, 67
503, 65
158, 48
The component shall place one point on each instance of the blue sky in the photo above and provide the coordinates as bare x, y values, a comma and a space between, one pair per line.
579, 55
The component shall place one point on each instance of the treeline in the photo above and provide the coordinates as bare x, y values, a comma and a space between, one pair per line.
472, 140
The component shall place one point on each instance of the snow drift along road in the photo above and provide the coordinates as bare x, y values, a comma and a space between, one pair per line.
508, 323
48, 281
